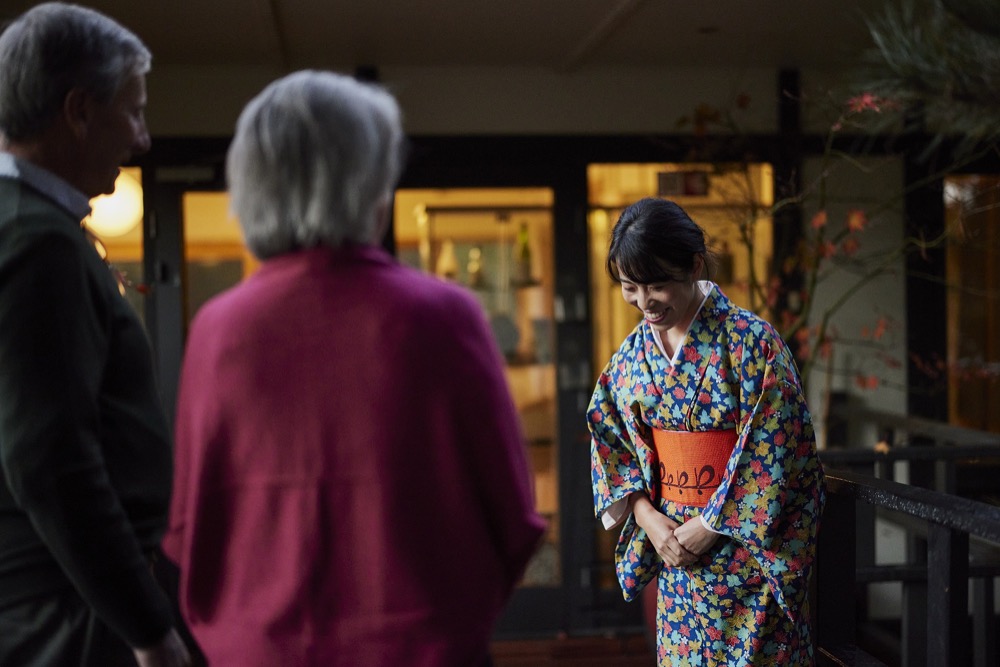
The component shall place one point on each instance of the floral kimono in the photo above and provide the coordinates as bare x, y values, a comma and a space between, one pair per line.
744, 602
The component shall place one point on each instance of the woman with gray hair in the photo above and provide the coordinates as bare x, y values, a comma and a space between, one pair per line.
336, 410
314, 162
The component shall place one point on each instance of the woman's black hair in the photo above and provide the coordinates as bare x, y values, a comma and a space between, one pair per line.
655, 241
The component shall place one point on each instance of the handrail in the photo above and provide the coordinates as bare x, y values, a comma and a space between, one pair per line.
947, 453
963, 514
951, 521
939, 466
936, 430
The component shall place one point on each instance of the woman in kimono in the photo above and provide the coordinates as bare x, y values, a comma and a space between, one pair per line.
703, 453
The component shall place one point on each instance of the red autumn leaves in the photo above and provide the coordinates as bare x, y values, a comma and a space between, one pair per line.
849, 244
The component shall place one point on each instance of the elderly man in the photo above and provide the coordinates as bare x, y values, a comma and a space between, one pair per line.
84, 443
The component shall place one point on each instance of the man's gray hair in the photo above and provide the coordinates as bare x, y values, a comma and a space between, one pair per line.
315, 157
52, 49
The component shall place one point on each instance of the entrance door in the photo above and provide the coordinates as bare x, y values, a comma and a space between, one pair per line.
193, 251
730, 202
498, 244
514, 232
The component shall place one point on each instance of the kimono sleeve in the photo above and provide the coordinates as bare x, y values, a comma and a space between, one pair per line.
772, 495
616, 474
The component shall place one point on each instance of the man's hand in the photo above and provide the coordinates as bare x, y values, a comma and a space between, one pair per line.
661, 531
168, 652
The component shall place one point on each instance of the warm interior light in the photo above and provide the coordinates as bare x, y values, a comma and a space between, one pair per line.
118, 213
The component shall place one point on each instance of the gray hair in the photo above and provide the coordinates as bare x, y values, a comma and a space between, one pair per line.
314, 157
52, 49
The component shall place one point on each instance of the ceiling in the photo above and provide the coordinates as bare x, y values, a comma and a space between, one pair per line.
560, 35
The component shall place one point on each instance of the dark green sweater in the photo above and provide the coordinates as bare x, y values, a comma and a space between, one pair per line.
84, 443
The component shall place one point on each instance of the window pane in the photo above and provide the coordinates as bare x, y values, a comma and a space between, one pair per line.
497, 242
973, 278
731, 202
214, 255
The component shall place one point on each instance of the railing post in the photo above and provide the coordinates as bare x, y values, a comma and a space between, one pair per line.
984, 641
864, 535
948, 596
914, 615
921, 472
836, 622
946, 476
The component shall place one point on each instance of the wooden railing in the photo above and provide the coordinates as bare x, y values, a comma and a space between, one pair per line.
933, 453
952, 541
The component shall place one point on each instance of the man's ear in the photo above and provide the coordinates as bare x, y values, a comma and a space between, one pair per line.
77, 110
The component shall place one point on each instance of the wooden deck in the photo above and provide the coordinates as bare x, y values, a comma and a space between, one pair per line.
628, 651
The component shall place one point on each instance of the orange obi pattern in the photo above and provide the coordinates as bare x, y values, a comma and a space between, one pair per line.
690, 464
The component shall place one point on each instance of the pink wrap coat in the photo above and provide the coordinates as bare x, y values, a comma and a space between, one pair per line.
351, 480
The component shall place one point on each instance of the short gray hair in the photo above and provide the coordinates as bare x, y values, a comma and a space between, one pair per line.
314, 157
53, 48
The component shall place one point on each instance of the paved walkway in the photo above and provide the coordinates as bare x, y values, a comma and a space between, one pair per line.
629, 651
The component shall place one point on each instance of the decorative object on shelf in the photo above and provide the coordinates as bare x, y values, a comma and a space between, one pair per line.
504, 325
522, 256
474, 268
447, 261
424, 235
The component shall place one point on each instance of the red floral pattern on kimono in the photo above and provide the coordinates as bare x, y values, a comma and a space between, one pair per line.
744, 602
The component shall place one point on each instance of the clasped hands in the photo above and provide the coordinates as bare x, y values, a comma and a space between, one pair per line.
677, 544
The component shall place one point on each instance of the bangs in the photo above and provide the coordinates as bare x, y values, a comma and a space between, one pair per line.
642, 268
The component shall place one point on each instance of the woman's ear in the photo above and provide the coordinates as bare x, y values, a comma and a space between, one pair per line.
699, 267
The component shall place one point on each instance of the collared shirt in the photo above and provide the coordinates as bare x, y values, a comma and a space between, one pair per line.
45, 182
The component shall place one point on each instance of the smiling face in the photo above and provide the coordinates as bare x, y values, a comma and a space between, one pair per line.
114, 133
666, 305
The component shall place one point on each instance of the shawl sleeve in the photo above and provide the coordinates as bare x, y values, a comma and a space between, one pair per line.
772, 494
615, 474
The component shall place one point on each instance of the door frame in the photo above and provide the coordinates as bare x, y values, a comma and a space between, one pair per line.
579, 606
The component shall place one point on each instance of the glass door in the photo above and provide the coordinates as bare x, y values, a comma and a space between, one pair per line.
215, 257
731, 202
498, 244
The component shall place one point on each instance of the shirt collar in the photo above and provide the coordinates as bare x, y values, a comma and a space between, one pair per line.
46, 183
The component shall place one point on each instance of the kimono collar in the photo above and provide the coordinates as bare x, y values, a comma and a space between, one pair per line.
707, 289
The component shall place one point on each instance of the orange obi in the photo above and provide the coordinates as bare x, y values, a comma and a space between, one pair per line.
690, 464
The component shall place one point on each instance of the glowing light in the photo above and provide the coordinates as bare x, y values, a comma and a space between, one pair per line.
120, 212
